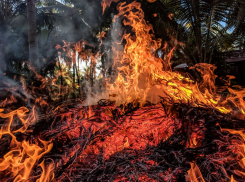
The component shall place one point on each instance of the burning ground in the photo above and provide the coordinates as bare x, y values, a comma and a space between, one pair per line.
163, 142
192, 132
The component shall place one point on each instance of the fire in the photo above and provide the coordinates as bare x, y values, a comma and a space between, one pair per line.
194, 174
106, 3
148, 126
100, 131
20, 160
141, 72
104, 130
23, 155
240, 149
232, 179
137, 132
47, 174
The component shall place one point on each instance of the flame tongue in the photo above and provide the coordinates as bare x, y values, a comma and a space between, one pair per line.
107, 3
23, 155
194, 174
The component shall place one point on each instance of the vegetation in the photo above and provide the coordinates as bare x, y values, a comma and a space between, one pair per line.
49, 33
207, 25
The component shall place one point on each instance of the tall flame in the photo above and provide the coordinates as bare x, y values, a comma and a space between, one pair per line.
141, 72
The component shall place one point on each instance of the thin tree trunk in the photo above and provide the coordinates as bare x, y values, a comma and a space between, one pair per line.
103, 60
209, 28
197, 29
91, 70
32, 34
211, 55
91, 76
102, 49
73, 81
3, 31
78, 75
74, 74
61, 82
3, 66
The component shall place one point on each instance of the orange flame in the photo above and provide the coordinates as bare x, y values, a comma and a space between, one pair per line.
22, 157
239, 149
151, 1
47, 174
232, 179
141, 72
107, 3
194, 174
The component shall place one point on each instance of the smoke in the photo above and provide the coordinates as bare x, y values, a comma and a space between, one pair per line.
116, 35
114, 40
80, 21
56, 21
12, 86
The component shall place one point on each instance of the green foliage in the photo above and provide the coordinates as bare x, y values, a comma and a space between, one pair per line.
206, 25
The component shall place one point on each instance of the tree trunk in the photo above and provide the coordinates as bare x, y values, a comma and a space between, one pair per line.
74, 74
78, 77
103, 60
62, 87
197, 24
208, 34
2, 52
32, 34
74, 81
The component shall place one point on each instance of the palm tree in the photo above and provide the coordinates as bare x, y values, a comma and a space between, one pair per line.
205, 25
